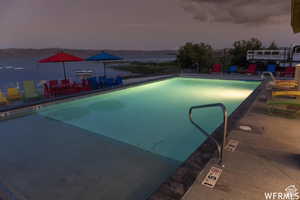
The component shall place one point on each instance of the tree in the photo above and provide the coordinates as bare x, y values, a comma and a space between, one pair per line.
196, 56
273, 46
240, 48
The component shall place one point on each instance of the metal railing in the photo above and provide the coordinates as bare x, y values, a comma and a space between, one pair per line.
220, 147
270, 74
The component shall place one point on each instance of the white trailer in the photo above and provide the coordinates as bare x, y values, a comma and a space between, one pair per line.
283, 57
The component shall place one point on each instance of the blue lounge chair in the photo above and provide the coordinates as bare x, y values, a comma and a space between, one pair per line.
118, 81
101, 81
108, 82
93, 83
233, 69
271, 68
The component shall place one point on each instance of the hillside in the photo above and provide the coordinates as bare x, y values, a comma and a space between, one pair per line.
80, 52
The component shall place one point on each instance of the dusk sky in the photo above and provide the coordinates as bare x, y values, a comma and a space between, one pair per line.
142, 24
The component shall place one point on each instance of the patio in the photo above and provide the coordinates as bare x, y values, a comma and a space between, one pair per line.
267, 159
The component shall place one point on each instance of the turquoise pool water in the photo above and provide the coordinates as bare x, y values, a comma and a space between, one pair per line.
154, 116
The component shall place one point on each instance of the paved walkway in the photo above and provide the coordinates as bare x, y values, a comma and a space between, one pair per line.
266, 160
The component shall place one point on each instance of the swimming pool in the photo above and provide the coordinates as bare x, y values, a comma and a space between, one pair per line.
121, 144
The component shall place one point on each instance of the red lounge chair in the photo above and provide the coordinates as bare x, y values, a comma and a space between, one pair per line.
289, 71
85, 85
65, 83
217, 68
73, 87
76, 87
47, 91
251, 69
54, 88
68, 88
50, 91
53, 84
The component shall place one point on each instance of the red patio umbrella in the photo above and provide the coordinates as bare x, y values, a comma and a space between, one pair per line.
61, 57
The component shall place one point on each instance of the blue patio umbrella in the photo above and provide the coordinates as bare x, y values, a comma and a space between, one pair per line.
104, 58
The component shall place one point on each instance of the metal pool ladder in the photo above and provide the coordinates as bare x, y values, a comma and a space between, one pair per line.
220, 147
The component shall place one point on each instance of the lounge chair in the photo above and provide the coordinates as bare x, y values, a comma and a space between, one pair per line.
251, 69
285, 84
52, 88
85, 86
47, 91
93, 83
118, 81
289, 71
30, 91
13, 94
68, 87
271, 68
53, 84
233, 69
217, 68
291, 106
286, 93
108, 82
3, 99
65, 83
101, 81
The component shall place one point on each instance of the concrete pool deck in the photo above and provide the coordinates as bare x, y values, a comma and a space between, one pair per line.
266, 160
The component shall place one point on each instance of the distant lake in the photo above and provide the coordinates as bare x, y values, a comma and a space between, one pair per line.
48, 71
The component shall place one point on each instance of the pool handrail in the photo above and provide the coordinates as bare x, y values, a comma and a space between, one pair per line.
220, 147
269, 73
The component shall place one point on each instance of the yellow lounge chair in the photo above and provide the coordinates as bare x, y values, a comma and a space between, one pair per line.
286, 93
286, 84
30, 91
285, 87
286, 81
3, 99
13, 94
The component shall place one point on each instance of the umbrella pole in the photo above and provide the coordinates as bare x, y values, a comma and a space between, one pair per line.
64, 70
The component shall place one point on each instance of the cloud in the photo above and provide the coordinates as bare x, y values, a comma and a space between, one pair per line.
5, 6
238, 11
